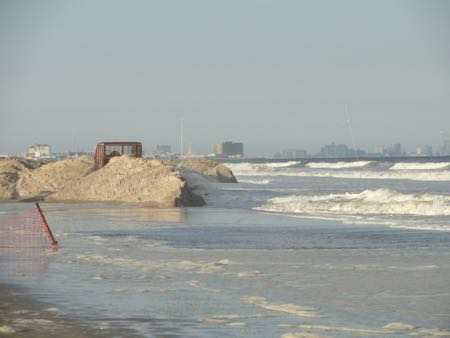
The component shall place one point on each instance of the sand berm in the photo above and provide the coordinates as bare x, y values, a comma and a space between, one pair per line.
123, 179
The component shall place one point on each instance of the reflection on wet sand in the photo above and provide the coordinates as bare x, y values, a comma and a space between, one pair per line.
119, 213
31, 263
150, 214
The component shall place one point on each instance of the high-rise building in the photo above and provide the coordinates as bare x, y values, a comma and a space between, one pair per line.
233, 148
444, 147
293, 153
39, 151
395, 150
424, 151
218, 149
336, 151
379, 149
229, 149
162, 150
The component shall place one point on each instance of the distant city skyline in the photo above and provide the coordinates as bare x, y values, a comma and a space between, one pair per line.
208, 148
273, 75
231, 148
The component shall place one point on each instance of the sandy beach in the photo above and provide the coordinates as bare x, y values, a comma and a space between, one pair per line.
214, 272
286, 252
123, 180
229, 169
23, 316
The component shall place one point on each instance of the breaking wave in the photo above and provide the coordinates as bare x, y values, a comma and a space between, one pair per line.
238, 168
259, 182
421, 166
338, 165
380, 201
374, 175
281, 164
358, 170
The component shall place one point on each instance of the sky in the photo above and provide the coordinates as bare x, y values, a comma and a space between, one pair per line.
271, 74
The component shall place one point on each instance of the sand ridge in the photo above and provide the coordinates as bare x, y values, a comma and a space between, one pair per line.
10, 172
211, 169
53, 176
123, 179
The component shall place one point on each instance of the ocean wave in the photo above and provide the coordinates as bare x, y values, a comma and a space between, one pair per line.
261, 182
420, 166
338, 165
421, 226
380, 201
374, 175
281, 164
250, 167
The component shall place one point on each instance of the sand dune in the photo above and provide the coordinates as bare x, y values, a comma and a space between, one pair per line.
123, 179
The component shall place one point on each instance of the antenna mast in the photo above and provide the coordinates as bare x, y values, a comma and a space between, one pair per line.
351, 130
181, 139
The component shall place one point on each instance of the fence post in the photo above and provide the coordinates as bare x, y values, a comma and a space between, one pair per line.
47, 228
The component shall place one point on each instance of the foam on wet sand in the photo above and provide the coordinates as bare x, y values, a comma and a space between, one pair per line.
394, 328
293, 309
22, 316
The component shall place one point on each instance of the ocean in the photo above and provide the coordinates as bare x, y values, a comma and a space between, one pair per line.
294, 249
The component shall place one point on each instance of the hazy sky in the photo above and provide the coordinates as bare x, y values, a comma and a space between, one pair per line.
272, 74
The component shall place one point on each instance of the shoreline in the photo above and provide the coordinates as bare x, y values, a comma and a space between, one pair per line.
23, 315
228, 257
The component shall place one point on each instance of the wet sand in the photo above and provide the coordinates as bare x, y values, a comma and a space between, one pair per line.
22, 316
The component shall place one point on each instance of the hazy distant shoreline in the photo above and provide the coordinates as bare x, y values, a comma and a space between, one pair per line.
338, 159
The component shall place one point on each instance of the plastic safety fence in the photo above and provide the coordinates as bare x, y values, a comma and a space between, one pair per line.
30, 262
26, 229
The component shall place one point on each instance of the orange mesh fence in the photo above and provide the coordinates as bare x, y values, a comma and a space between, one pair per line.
30, 262
27, 229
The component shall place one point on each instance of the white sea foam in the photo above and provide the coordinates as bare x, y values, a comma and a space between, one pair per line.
380, 201
293, 309
237, 325
96, 238
422, 226
250, 167
374, 267
360, 174
220, 319
338, 165
259, 182
399, 171
281, 164
242, 167
302, 335
201, 286
388, 329
399, 326
421, 166
349, 330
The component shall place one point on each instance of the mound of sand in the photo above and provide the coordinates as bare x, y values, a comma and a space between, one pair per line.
53, 176
211, 169
123, 179
126, 179
11, 170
